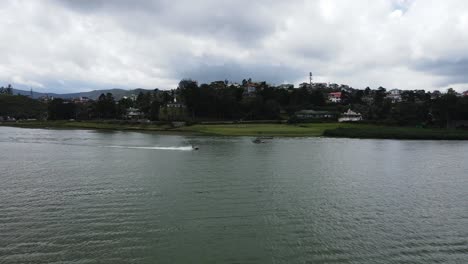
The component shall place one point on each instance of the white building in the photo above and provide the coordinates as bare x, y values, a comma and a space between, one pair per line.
312, 114
285, 86
251, 89
395, 92
134, 113
350, 116
394, 95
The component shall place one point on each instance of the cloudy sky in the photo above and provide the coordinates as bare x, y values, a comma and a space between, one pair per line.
71, 45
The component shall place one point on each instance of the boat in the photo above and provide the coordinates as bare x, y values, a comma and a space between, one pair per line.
258, 141
195, 147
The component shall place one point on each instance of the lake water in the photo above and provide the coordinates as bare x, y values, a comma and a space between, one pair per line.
76, 196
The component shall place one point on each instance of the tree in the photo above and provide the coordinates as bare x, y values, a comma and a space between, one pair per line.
154, 110
317, 98
271, 109
356, 97
190, 94
59, 109
105, 106
19, 106
244, 82
122, 106
143, 102
7, 91
299, 99
408, 96
444, 108
367, 91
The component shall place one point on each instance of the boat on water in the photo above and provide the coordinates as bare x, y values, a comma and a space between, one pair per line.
195, 147
258, 141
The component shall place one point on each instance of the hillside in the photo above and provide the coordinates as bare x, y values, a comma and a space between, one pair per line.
118, 93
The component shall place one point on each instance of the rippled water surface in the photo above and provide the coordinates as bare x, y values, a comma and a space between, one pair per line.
71, 196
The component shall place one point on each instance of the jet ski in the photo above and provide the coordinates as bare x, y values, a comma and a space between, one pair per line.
258, 141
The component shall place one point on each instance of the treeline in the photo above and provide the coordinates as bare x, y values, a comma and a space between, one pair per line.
21, 107
219, 100
414, 108
106, 107
249, 101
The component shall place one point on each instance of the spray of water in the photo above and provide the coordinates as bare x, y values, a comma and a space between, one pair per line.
185, 148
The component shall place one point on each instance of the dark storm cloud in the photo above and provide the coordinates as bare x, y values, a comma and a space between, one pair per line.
112, 5
274, 74
444, 67
245, 22
456, 70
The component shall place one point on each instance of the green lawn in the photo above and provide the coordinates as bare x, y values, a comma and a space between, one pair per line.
329, 130
311, 130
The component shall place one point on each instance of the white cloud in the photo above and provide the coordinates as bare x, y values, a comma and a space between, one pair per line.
64, 45
20, 80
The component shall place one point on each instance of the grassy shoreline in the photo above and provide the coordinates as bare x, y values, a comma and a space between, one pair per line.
383, 132
85, 125
342, 130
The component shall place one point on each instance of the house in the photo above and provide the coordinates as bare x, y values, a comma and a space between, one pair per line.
45, 98
334, 97
236, 85
285, 86
82, 100
394, 95
219, 84
305, 85
250, 90
320, 85
350, 116
134, 113
395, 92
345, 87
175, 105
457, 124
312, 114
132, 97
7, 119
435, 94
173, 112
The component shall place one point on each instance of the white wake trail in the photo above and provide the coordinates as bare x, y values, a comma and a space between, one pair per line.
187, 148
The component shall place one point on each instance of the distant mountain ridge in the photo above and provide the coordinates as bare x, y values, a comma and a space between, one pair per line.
117, 93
